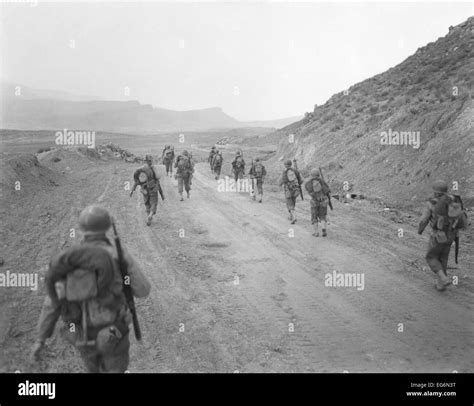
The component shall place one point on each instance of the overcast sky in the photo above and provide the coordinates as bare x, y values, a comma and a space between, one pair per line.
255, 60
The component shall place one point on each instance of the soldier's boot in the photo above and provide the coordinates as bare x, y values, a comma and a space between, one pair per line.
316, 232
148, 221
441, 281
324, 232
293, 215
181, 199
260, 198
188, 193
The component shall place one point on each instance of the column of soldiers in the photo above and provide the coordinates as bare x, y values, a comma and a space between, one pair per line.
92, 284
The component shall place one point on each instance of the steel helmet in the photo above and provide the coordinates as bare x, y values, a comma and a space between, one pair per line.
257, 159
185, 153
440, 186
288, 162
314, 173
94, 218
238, 153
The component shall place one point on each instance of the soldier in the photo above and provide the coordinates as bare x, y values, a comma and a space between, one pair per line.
291, 181
446, 217
149, 182
99, 325
257, 174
238, 166
167, 158
184, 172
210, 159
318, 189
217, 163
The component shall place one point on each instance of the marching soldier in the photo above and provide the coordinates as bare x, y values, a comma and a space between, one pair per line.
445, 214
257, 174
217, 163
149, 182
85, 287
167, 158
238, 166
184, 172
319, 190
291, 181
210, 159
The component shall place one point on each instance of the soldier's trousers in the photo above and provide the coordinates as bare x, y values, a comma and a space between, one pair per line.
238, 174
259, 184
438, 254
183, 182
168, 166
151, 201
115, 361
217, 170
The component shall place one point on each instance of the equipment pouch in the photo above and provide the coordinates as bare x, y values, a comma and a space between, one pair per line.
100, 315
440, 237
107, 339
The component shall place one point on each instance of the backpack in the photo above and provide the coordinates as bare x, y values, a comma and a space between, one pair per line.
258, 170
447, 212
217, 159
90, 290
238, 162
292, 181
168, 153
184, 164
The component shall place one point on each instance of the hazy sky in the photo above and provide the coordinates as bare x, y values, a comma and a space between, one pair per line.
256, 60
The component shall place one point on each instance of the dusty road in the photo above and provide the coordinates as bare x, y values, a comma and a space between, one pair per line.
237, 288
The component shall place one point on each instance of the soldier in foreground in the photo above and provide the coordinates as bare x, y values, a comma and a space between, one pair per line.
257, 174
217, 163
167, 158
445, 214
291, 181
87, 288
149, 182
319, 190
184, 172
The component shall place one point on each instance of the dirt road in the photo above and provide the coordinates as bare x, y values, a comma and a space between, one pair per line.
237, 288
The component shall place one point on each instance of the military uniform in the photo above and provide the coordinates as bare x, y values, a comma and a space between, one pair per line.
217, 161
184, 174
238, 167
167, 159
210, 159
291, 189
149, 188
257, 173
318, 190
98, 253
441, 240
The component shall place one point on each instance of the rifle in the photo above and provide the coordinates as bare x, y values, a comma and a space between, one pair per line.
127, 288
160, 190
328, 194
298, 176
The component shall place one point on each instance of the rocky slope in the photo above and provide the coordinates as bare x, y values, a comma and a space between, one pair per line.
430, 94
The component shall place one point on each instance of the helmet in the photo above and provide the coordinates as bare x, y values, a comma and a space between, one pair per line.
213, 147
257, 159
288, 162
238, 153
314, 173
185, 153
148, 158
94, 218
440, 186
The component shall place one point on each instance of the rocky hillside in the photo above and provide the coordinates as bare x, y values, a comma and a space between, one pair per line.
430, 94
